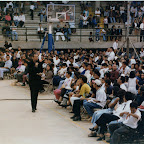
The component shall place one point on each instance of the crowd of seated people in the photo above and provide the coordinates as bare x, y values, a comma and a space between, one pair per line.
111, 84
113, 13
108, 86
13, 18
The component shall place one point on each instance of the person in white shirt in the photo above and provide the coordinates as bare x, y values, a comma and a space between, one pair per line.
56, 60
105, 22
59, 32
65, 87
21, 19
132, 82
9, 4
63, 70
14, 32
97, 14
7, 66
132, 61
115, 45
104, 34
124, 69
16, 19
103, 70
85, 22
106, 118
73, 63
40, 31
121, 81
18, 74
111, 55
98, 102
142, 31
142, 53
128, 126
32, 7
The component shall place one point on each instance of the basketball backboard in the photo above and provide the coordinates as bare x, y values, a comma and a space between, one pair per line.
63, 12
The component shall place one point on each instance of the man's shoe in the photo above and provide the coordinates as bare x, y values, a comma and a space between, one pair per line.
73, 117
108, 140
58, 102
33, 110
77, 118
92, 134
92, 129
42, 91
101, 138
23, 84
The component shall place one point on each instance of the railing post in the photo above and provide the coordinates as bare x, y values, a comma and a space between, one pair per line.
93, 34
67, 35
40, 37
80, 34
26, 35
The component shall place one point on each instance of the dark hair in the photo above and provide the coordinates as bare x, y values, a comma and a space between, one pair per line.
64, 64
72, 85
72, 58
121, 93
134, 105
125, 63
129, 96
97, 72
50, 67
107, 74
122, 78
132, 74
108, 81
104, 64
115, 90
126, 78
71, 67
69, 73
84, 79
77, 74
90, 65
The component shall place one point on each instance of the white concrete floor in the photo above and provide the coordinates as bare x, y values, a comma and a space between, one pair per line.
49, 125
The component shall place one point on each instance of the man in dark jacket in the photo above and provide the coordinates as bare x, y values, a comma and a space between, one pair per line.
34, 80
119, 33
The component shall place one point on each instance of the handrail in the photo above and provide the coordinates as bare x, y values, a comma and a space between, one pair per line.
79, 34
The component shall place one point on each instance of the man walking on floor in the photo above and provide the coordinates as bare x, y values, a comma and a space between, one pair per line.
34, 80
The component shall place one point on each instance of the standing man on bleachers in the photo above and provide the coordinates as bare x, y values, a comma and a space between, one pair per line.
32, 7
142, 31
6, 68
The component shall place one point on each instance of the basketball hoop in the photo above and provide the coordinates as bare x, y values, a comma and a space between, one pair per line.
53, 20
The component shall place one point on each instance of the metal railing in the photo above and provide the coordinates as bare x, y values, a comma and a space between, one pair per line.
78, 34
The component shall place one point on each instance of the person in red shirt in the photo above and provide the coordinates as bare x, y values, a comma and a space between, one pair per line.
8, 19
114, 73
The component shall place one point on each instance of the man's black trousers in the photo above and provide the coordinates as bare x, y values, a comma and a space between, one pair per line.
34, 89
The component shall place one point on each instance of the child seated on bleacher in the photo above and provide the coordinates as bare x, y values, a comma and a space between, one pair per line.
91, 37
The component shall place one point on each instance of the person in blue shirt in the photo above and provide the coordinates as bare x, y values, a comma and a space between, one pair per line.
94, 22
97, 34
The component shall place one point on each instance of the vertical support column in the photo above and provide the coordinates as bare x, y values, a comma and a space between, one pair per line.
50, 38
128, 24
97, 4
